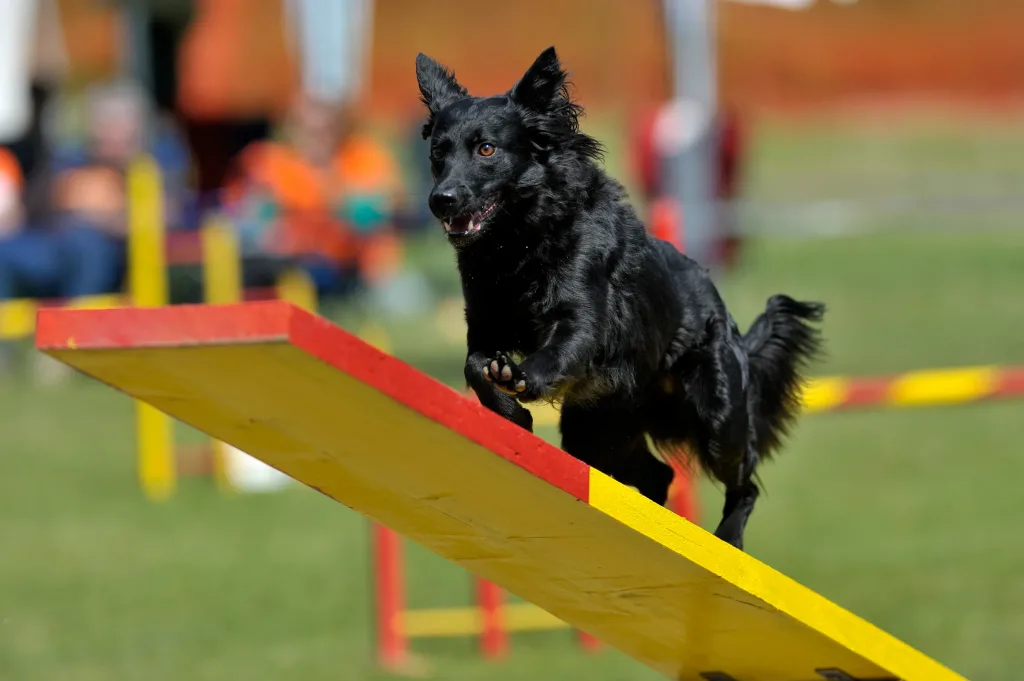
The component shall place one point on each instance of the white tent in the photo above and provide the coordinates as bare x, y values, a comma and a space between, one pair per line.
17, 32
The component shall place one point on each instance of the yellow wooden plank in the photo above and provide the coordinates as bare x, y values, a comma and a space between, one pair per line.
780, 613
376, 435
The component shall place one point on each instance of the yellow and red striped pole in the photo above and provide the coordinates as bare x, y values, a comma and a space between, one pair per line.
921, 388
928, 387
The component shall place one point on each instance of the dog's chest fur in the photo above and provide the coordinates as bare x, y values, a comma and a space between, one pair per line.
508, 298
518, 293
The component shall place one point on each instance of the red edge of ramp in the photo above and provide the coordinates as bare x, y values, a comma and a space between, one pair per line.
279, 321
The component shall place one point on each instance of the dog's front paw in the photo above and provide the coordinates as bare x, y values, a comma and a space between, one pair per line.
505, 375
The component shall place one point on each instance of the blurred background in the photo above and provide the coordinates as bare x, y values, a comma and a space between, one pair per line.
867, 153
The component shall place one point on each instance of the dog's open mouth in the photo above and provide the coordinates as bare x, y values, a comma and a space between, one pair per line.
470, 224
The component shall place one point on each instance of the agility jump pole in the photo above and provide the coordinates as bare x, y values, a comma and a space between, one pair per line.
373, 433
220, 258
491, 619
147, 287
911, 389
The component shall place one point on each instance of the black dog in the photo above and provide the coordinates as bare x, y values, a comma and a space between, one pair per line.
569, 299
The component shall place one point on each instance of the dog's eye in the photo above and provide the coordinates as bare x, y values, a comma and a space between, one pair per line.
437, 153
486, 149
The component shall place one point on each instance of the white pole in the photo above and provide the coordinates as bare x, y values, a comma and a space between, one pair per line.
17, 35
332, 40
691, 32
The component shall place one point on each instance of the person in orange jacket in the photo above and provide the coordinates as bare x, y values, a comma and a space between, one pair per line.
325, 197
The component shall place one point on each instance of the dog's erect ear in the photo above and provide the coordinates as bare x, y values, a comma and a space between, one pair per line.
438, 87
541, 83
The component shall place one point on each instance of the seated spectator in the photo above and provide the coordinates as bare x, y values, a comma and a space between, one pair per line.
71, 241
325, 197
12, 183
657, 146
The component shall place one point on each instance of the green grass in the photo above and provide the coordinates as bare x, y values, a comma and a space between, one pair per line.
911, 519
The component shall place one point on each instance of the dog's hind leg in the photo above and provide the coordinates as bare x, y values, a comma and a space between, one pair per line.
609, 436
739, 504
726, 447
646, 473
715, 381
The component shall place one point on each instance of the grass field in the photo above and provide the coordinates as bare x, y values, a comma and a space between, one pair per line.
911, 519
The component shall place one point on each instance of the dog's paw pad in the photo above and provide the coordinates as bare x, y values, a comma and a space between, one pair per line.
505, 374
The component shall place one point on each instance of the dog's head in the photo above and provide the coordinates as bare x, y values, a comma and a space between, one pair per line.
490, 154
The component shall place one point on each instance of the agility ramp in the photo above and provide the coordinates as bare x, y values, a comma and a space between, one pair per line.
369, 431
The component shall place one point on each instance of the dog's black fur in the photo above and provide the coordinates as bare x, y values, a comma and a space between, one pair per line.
569, 299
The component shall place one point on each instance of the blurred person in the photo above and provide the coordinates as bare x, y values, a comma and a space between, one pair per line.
70, 238
652, 156
11, 219
234, 74
324, 197
12, 209
73, 241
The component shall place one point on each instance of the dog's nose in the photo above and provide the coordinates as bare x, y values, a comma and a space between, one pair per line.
443, 202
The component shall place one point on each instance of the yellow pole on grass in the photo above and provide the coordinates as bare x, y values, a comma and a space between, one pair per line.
222, 285
147, 281
295, 286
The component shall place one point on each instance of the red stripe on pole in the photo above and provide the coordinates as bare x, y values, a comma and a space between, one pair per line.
493, 637
588, 642
392, 648
866, 391
1009, 382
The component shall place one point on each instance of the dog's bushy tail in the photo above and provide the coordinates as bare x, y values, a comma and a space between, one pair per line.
781, 344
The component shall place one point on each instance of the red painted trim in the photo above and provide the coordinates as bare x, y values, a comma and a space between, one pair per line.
127, 327
438, 402
277, 321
